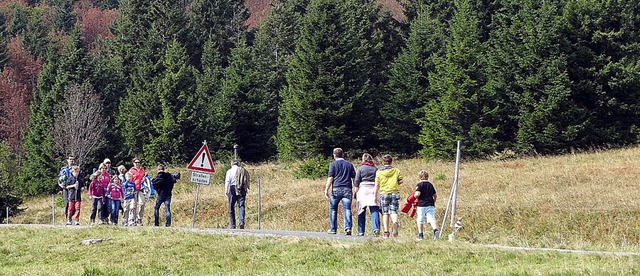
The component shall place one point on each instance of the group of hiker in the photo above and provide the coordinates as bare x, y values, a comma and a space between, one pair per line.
126, 192
114, 192
377, 189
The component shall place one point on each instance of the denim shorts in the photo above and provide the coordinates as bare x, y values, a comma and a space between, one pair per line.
390, 203
429, 212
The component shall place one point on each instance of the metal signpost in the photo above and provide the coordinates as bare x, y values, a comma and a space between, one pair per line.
201, 166
453, 196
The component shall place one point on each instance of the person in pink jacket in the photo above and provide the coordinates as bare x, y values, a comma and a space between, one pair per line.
137, 176
116, 196
96, 193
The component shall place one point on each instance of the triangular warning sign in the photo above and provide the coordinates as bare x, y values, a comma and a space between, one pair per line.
202, 161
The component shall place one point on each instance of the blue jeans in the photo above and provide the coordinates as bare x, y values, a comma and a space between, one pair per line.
167, 209
233, 199
375, 219
114, 208
97, 206
338, 195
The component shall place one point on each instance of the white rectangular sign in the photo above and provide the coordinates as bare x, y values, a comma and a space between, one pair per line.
200, 178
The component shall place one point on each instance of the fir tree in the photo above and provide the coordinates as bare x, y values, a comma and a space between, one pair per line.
325, 103
409, 85
462, 111
176, 120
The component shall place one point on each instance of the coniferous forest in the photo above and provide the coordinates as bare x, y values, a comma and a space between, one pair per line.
155, 78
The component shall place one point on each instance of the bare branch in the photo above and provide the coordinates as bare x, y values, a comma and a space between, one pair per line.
80, 127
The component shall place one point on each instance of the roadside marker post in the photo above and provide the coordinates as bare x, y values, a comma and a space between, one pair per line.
453, 196
201, 166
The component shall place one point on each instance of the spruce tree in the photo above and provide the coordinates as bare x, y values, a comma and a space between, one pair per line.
169, 131
218, 21
69, 64
409, 85
462, 110
529, 76
325, 103
603, 55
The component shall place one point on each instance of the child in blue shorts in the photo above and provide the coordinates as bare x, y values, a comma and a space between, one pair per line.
426, 195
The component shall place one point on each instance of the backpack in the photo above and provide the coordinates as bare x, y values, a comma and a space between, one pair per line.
63, 175
242, 179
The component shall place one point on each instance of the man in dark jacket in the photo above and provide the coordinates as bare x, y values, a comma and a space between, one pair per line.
163, 184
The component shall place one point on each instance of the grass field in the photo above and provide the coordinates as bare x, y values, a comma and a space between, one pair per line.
583, 201
155, 251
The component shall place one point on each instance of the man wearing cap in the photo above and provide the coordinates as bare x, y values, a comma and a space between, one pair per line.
65, 173
110, 170
230, 186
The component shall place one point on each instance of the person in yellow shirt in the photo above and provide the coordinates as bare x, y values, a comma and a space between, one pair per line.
387, 180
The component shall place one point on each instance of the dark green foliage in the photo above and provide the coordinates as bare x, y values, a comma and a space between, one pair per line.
604, 58
528, 76
332, 82
34, 35
251, 104
69, 64
461, 110
62, 15
218, 21
18, 21
409, 85
10, 194
174, 119
313, 168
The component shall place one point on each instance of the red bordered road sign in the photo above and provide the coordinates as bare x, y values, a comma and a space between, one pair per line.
202, 161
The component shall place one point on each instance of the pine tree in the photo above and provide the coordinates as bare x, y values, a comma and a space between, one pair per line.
69, 64
528, 76
462, 110
602, 58
218, 21
169, 131
325, 103
409, 85
216, 121
251, 104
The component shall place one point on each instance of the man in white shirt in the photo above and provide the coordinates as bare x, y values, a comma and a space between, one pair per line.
230, 186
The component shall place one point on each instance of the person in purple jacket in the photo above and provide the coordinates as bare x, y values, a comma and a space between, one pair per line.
340, 180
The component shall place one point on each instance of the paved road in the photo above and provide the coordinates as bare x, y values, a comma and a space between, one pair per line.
322, 235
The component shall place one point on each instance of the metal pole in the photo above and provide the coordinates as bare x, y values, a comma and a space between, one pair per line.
53, 209
259, 202
455, 185
7, 215
446, 212
195, 207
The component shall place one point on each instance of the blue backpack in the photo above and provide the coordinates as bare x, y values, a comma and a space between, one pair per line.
65, 173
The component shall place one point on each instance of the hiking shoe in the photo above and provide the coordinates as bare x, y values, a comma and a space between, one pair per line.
241, 226
347, 232
360, 234
376, 233
76, 223
394, 229
420, 237
68, 221
332, 232
436, 234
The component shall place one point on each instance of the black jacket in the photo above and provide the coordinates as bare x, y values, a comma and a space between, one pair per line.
163, 184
